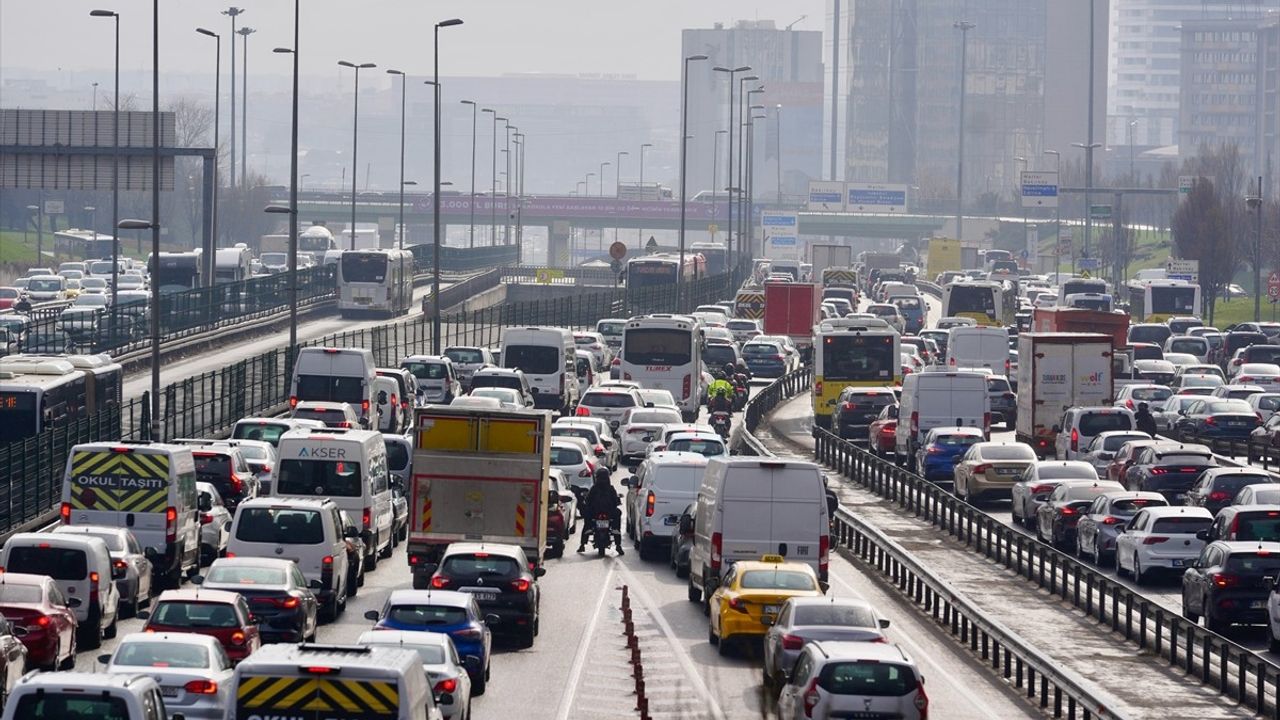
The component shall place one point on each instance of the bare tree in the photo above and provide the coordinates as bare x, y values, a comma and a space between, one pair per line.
1198, 235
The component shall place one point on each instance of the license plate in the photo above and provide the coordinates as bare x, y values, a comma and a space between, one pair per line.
1006, 471
670, 520
771, 609
481, 593
1257, 604
1177, 563
602, 524
166, 691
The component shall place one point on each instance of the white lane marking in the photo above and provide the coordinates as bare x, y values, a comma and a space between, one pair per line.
682, 656
920, 655
580, 657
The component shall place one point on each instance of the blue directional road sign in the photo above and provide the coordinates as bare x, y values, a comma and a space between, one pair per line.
1039, 189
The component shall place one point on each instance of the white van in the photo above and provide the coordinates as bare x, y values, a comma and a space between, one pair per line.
548, 358
437, 380
81, 567
308, 531
751, 507
979, 347
149, 488
387, 396
349, 466
122, 696
335, 375
660, 489
269, 429
375, 682
940, 398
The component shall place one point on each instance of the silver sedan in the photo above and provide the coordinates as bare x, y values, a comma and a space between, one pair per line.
193, 671
806, 619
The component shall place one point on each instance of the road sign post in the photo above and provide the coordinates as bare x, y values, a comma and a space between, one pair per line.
1273, 286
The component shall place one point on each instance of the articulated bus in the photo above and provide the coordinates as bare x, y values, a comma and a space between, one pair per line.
662, 270
375, 281
40, 395
988, 302
664, 352
1156, 301
848, 353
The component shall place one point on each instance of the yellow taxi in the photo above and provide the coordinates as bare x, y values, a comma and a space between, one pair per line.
749, 598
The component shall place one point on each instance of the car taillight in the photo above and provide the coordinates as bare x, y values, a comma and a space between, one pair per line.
404, 404
237, 485
616, 361
981, 469
848, 406
440, 582
1219, 496
584, 472
1068, 511
471, 633
1075, 439
288, 603
1041, 489
43, 621
1159, 471
293, 401
685, 387
1210, 421
202, 687
717, 544
364, 407
1109, 520
737, 604
792, 642
326, 569
119, 564
65, 513
520, 585
266, 469
922, 701
366, 518
649, 502
1128, 404
598, 449
1223, 580
170, 524
811, 698
237, 637
1154, 540
817, 387
446, 685
915, 422
824, 554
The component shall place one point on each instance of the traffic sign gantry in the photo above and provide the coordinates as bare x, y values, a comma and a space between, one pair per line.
1273, 285
618, 250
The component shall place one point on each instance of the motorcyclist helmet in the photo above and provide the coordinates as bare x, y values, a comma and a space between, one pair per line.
602, 477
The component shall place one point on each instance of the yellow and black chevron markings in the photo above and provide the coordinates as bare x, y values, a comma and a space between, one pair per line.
119, 481
349, 698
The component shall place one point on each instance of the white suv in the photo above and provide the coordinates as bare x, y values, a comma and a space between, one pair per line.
102, 695
859, 679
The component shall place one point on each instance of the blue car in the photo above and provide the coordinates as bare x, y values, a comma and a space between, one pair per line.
1217, 419
765, 359
942, 449
456, 614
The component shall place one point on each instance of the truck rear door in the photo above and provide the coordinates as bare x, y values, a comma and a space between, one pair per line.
305, 697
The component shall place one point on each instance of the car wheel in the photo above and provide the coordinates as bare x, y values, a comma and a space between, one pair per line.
695, 593
1272, 641
478, 686
111, 630
1213, 624
390, 548
1139, 577
711, 635
69, 662
91, 634
342, 605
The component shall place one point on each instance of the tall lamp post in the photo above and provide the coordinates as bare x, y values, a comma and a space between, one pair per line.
749, 247
1254, 202
1057, 211
643, 147
506, 186
355, 138
519, 181
729, 173
115, 160
1133, 177
244, 33
493, 189
472, 204
964, 26
233, 12
209, 262
742, 156
715, 165
617, 183
603, 165
777, 147
1088, 148
292, 209
404, 92
435, 197
745, 224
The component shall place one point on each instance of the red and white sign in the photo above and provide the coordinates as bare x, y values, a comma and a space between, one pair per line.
1273, 285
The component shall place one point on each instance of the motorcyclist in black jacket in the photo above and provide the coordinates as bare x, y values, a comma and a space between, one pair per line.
601, 498
1144, 421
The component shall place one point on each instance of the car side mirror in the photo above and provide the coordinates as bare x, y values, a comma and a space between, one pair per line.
371, 615
567, 497
471, 662
1056, 429
143, 615
18, 631
315, 585
824, 585
74, 602
686, 525
1269, 582
492, 619
197, 579
151, 554
350, 533
767, 620
884, 623
1202, 535
539, 572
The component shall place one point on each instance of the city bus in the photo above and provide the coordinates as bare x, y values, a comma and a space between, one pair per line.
177, 271
716, 255
664, 352
39, 395
1156, 301
375, 281
662, 270
988, 302
848, 352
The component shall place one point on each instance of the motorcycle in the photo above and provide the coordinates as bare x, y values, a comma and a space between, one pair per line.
601, 534
720, 422
739, 395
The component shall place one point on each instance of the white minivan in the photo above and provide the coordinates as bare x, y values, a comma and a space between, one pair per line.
660, 489
81, 567
979, 347
348, 466
548, 358
336, 375
938, 398
751, 507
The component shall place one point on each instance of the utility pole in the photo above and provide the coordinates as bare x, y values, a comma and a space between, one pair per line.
244, 32
233, 12
964, 26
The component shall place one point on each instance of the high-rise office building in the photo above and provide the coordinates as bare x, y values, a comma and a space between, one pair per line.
789, 66
1144, 77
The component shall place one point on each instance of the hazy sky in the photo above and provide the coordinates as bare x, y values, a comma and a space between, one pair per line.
499, 36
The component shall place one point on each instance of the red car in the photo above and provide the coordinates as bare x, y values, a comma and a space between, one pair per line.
40, 618
559, 514
9, 297
222, 615
880, 434
1119, 464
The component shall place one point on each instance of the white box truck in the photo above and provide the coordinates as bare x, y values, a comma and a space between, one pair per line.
1057, 371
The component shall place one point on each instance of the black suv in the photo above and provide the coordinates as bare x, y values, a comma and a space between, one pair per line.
502, 580
855, 410
1230, 582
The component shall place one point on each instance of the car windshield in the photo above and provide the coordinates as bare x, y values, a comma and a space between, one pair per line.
194, 614
279, 526
1151, 394
264, 431
561, 455
657, 346
760, 349
579, 431
534, 359
776, 580
1184, 459
955, 441
480, 564
46, 705
397, 455
114, 541
833, 614
44, 284
427, 615
1263, 526
1009, 452
1115, 442
427, 654
1131, 506
1265, 563
425, 370
1233, 482
13, 594
464, 355
872, 678
245, 575
659, 417
58, 563
1181, 525
320, 478
162, 654
706, 448
1228, 406
608, 400
610, 328
1065, 472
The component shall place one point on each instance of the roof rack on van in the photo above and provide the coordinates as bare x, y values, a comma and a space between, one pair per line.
350, 649
326, 430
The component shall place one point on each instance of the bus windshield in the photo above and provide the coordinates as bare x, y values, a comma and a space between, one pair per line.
364, 267
1173, 300
657, 346
966, 298
19, 414
651, 272
858, 357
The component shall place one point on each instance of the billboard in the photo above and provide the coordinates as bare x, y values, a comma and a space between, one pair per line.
79, 149
781, 234
1039, 189
875, 197
826, 196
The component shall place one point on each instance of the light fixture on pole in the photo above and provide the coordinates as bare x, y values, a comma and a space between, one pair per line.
715, 165
153, 429
233, 12
472, 204
209, 263
115, 158
493, 189
436, 239
244, 34
729, 174
745, 223
1133, 178
617, 174
1057, 212
603, 165
294, 183
355, 138
964, 26
742, 156
506, 186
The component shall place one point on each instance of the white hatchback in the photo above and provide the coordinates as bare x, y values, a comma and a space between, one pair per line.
1161, 538
641, 425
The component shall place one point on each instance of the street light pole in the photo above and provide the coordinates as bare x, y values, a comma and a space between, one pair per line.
493, 190
506, 187
746, 224
617, 184
1133, 178
404, 92
435, 197
244, 33
643, 147
1057, 214
519, 183
233, 12
1255, 203
715, 164
355, 144
729, 172
115, 160
964, 26
603, 165
740, 182
210, 263
777, 148
474, 114
292, 210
